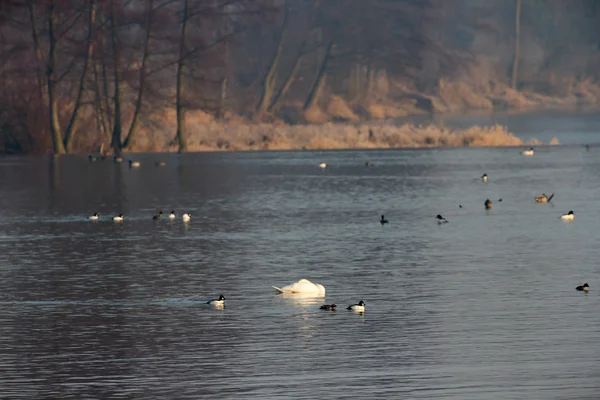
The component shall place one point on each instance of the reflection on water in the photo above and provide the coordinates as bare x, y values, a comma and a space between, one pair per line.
483, 307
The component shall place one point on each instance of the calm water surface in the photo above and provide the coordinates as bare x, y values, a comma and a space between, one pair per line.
481, 308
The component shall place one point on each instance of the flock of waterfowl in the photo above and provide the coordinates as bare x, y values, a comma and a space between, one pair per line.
302, 288
543, 198
158, 217
119, 159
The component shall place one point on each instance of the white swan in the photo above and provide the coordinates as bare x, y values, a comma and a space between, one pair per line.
303, 286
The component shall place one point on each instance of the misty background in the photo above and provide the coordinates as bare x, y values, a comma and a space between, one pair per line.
140, 75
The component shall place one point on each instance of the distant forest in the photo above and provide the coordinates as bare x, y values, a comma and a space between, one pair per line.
75, 74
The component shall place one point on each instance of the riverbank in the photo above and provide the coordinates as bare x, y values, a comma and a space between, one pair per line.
236, 136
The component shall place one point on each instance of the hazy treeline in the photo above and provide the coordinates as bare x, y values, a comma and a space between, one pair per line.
75, 74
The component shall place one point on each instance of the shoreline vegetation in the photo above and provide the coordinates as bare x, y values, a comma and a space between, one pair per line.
235, 136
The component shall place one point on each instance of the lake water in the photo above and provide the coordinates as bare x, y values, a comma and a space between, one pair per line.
484, 307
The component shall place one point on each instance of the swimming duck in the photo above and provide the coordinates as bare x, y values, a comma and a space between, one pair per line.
158, 217
172, 215
91, 158
186, 217
94, 217
118, 218
383, 220
587, 147
544, 198
570, 216
330, 307
303, 286
322, 165
527, 152
441, 220
368, 164
459, 206
134, 164
360, 307
484, 178
160, 163
488, 204
217, 302
117, 159
583, 288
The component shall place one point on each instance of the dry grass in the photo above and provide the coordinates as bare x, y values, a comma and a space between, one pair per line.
338, 108
383, 111
228, 136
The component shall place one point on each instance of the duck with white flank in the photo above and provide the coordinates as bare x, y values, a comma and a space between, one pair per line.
360, 307
441, 220
584, 288
544, 198
488, 204
383, 221
94, 217
330, 307
484, 178
217, 302
322, 165
158, 217
570, 216
118, 218
134, 164
172, 215
186, 217
527, 152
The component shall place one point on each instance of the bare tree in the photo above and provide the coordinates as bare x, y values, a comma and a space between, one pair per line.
270, 81
515, 66
181, 62
129, 140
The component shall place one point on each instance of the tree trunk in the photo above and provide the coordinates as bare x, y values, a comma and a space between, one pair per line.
270, 81
138, 105
106, 97
370, 82
73, 122
38, 52
99, 109
116, 135
286, 86
223, 96
515, 67
57, 142
276, 103
181, 137
315, 92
